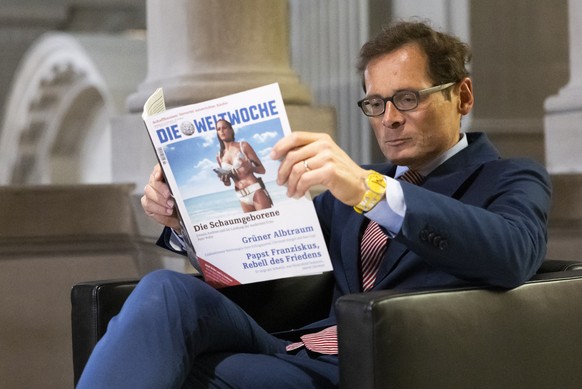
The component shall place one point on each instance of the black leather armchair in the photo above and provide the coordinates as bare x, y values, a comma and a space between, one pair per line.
526, 337
276, 305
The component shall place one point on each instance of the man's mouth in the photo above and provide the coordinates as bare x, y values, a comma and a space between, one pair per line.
397, 142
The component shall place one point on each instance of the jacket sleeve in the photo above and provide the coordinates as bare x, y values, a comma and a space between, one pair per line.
180, 245
166, 241
493, 230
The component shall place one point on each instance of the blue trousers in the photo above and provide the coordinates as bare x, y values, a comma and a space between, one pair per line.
175, 331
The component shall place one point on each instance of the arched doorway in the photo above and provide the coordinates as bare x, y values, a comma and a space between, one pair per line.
55, 128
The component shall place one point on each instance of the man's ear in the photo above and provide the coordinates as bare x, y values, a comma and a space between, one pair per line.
466, 98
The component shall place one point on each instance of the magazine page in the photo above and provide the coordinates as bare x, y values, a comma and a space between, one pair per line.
215, 158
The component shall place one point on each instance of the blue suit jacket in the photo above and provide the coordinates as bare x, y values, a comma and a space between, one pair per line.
477, 219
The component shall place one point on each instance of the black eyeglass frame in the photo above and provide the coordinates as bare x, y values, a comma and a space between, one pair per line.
418, 94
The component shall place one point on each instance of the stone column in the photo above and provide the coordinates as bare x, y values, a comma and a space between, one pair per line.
519, 50
564, 111
199, 50
563, 136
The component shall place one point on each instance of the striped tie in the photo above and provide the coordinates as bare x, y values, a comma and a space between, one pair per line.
372, 247
322, 342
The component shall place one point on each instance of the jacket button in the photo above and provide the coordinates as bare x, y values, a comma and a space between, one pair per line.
443, 244
424, 234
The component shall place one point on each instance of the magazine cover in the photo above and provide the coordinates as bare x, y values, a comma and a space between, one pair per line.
215, 158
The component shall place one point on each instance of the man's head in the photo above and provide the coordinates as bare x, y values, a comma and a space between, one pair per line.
414, 57
446, 55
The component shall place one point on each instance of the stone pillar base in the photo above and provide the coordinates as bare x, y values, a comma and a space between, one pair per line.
562, 132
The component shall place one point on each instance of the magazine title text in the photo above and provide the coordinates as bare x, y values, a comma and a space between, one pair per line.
208, 123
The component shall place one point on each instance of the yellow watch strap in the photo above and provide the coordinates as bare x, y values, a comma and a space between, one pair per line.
375, 191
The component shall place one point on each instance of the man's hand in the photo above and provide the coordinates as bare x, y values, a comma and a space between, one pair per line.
310, 159
157, 201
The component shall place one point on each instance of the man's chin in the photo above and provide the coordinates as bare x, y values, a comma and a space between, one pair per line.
400, 159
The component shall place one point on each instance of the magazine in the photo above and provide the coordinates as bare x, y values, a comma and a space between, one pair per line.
241, 225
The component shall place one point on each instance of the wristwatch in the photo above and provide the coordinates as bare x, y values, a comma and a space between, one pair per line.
375, 191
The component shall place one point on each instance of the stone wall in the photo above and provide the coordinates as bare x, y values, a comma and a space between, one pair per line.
52, 237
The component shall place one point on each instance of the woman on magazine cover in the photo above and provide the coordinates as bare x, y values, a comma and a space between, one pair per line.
239, 162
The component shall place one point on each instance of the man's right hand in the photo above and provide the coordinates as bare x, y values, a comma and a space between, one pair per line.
157, 201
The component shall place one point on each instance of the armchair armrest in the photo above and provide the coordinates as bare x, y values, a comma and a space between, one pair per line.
93, 304
471, 337
556, 265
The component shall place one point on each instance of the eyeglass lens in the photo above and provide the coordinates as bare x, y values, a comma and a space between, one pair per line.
404, 101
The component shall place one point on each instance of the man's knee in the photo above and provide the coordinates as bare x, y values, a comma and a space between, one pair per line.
162, 277
172, 290
168, 281
161, 292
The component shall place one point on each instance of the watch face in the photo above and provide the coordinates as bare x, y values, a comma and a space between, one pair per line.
376, 183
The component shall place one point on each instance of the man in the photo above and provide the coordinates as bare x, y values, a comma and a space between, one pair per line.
471, 218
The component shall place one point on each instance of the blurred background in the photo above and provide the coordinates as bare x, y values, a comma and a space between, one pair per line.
74, 154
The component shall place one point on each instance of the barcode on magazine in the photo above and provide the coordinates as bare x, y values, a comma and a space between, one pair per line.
162, 156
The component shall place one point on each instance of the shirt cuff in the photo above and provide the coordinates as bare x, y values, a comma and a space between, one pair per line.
177, 241
390, 212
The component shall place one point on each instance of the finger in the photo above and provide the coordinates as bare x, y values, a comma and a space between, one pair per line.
293, 141
293, 166
171, 221
160, 192
153, 202
157, 182
157, 201
308, 170
158, 170
292, 158
296, 175
157, 173
157, 194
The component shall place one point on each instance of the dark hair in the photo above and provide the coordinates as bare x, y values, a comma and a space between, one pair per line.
446, 54
222, 147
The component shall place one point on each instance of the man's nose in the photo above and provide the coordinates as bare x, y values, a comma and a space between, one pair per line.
392, 117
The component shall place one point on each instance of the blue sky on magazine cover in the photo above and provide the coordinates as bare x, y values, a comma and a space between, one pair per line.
192, 160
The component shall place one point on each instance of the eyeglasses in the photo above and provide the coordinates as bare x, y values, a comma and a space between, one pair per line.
405, 100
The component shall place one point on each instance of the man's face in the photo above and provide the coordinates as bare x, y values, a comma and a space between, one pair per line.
413, 138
